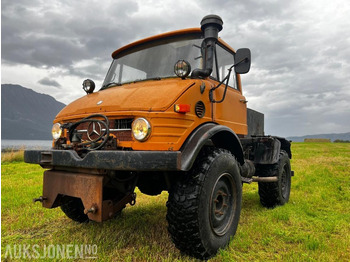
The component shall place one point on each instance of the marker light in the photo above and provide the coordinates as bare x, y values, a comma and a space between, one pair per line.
182, 108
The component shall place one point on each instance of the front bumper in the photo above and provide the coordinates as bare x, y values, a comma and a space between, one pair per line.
109, 160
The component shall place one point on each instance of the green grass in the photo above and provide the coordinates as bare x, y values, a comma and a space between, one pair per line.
313, 226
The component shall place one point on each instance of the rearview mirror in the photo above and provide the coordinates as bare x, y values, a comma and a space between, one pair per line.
242, 61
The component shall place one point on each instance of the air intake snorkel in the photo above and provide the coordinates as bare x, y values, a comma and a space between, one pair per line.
211, 25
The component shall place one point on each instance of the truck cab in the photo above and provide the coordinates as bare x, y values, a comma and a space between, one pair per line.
142, 83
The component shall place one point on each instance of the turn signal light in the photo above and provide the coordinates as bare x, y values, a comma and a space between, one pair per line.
181, 108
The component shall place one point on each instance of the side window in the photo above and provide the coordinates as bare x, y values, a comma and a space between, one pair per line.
225, 60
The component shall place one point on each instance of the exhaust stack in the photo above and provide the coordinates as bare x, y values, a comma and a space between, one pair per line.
211, 25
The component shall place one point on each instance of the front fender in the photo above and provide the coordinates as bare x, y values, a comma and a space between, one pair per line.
218, 135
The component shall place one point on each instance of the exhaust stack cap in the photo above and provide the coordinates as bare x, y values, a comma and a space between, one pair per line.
211, 25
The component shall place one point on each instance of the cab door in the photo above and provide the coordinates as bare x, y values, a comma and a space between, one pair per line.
232, 112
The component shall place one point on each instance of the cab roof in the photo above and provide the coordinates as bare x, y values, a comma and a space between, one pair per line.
183, 32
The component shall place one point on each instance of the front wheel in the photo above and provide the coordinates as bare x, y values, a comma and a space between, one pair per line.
204, 207
74, 209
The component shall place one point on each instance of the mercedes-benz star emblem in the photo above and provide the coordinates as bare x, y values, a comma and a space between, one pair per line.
94, 130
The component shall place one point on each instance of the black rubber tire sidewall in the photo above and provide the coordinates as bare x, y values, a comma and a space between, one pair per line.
74, 209
188, 204
224, 163
284, 166
271, 193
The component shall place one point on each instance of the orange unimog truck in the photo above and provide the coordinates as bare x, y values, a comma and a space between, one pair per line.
170, 116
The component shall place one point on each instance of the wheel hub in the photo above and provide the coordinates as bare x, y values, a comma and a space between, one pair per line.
284, 182
222, 205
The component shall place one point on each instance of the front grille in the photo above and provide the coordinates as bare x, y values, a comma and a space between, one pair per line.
120, 128
123, 123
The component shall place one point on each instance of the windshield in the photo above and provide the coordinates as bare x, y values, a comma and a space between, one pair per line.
154, 61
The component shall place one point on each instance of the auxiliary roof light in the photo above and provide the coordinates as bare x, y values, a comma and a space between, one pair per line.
182, 68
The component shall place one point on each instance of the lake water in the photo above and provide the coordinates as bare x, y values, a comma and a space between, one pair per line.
26, 144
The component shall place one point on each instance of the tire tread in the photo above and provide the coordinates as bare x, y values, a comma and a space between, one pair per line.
182, 215
270, 192
74, 209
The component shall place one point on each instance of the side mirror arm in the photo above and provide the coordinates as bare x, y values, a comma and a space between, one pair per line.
227, 77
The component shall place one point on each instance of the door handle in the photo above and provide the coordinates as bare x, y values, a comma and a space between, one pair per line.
243, 101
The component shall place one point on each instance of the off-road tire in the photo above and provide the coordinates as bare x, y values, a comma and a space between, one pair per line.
274, 194
74, 209
213, 184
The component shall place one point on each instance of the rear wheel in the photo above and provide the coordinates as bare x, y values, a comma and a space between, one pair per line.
275, 193
204, 207
74, 209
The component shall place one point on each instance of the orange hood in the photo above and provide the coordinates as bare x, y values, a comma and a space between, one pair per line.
152, 95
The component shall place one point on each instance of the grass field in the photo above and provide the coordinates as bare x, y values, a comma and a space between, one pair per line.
313, 226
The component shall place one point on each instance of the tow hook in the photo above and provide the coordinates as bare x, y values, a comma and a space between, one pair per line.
39, 199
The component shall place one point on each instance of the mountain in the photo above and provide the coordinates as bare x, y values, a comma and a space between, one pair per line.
26, 114
332, 137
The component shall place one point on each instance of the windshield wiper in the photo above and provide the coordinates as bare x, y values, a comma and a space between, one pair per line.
135, 81
154, 78
110, 84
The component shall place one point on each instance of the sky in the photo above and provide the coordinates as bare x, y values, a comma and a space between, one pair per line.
300, 70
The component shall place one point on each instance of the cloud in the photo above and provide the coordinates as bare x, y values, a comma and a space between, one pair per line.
300, 50
49, 82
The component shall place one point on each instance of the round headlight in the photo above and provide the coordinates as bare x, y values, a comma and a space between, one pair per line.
182, 68
56, 131
88, 86
141, 129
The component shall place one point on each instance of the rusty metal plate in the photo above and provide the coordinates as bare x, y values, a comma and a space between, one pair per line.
85, 186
